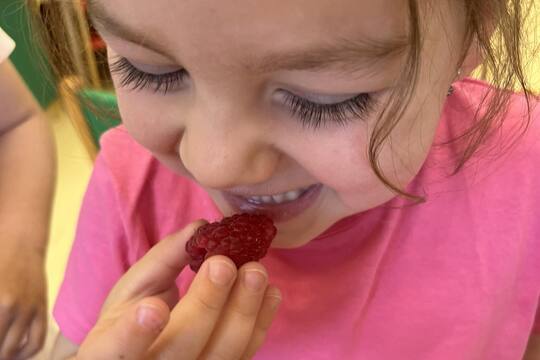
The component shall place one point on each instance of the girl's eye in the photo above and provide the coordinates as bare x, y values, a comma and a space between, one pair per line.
314, 115
136, 79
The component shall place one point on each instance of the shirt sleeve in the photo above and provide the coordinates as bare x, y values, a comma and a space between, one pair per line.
6, 45
97, 260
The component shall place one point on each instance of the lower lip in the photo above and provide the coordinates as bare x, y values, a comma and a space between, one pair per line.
278, 212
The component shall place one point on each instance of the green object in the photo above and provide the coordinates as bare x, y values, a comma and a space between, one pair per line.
30, 63
100, 109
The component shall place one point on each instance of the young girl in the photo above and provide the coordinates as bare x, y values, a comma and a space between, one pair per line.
404, 193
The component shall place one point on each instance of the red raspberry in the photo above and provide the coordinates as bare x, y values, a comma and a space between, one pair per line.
241, 237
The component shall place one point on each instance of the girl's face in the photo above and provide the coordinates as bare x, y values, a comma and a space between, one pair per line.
269, 104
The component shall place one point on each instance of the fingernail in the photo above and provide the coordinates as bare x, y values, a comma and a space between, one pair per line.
150, 318
275, 295
220, 272
254, 280
274, 302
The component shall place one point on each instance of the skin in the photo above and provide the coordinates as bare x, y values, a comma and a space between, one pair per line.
533, 348
224, 319
26, 154
202, 130
227, 126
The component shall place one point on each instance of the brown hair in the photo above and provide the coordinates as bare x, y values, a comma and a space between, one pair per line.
495, 26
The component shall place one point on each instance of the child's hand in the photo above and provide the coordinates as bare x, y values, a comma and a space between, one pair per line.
23, 305
219, 317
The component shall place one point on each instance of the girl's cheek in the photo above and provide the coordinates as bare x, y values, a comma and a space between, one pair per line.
149, 121
338, 157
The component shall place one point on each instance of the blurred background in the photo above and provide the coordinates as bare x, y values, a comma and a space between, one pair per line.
77, 129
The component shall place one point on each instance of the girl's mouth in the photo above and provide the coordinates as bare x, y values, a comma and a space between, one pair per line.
279, 207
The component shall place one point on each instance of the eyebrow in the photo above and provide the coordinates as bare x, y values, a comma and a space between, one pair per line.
106, 23
343, 54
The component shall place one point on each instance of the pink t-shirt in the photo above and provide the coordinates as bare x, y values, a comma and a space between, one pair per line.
6, 45
456, 277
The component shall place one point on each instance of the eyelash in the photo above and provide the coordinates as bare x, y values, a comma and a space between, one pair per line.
136, 79
312, 115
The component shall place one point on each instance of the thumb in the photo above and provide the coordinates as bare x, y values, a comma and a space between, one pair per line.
156, 271
126, 333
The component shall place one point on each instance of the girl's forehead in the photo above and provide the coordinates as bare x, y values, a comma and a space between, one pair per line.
378, 26
366, 12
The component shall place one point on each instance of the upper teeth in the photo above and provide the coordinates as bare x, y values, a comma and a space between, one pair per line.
277, 199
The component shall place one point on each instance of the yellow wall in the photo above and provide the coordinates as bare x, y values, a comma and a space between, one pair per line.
531, 45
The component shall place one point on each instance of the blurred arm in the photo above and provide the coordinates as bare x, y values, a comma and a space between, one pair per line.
27, 167
533, 349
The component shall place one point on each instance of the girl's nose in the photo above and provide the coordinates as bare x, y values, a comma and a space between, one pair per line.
223, 153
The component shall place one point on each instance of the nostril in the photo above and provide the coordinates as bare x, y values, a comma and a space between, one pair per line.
223, 159
225, 171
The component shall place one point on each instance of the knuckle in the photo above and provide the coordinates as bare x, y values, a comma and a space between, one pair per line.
247, 313
259, 336
206, 304
8, 308
7, 303
217, 356
8, 352
263, 327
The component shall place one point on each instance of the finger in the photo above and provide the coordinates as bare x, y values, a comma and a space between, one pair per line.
36, 337
269, 308
157, 271
194, 318
233, 333
15, 335
128, 335
170, 297
7, 317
